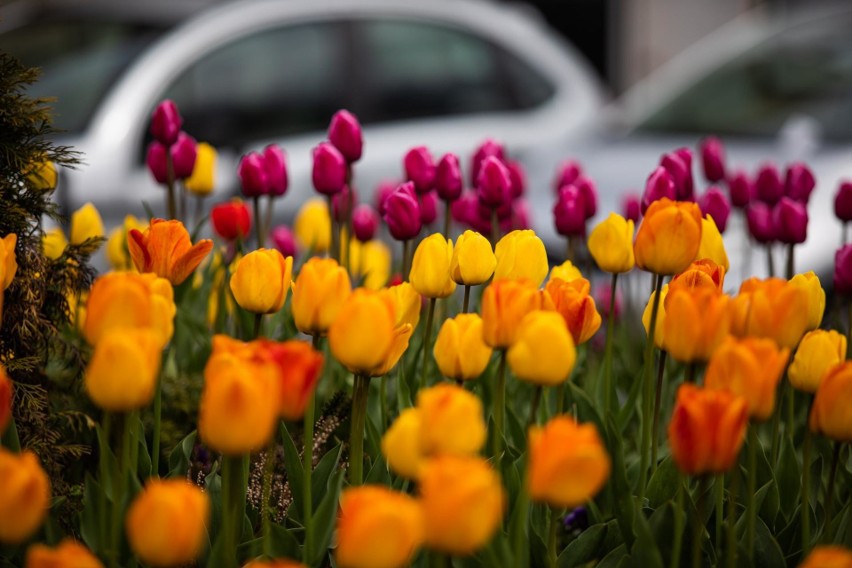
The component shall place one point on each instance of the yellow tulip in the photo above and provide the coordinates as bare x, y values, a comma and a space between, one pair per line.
430, 269
313, 226
818, 352
473, 261
521, 255
401, 444
261, 280
203, 178
611, 244
122, 374
117, 252
460, 351
362, 336
504, 304
371, 262
712, 245
53, 242
695, 323
24, 496
86, 224
565, 271
830, 414
543, 352
809, 282
68, 554
407, 303
401, 337
772, 308
668, 237
451, 421
319, 291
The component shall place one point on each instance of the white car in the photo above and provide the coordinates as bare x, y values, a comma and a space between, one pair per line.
446, 74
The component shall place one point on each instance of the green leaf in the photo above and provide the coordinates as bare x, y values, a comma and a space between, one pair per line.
615, 558
379, 474
284, 543
295, 474
586, 411
789, 477
630, 404
319, 478
9, 438
91, 516
179, 459
767, 553
645, 552
323, 520
663, 524
584, 548
664, 483
621, 488
137, 433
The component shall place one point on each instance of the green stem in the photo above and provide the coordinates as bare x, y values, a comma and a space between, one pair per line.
829, 491
776, 432
806, 484
266, 491
307, 498
698, 524
158, 419
383, 401
678, 528
560, 398
719, 487
518, 530
534, 407
655, 427
731, 528
356, 434
610, 323
427, 342
134, 445
171, 205
791, 409
120, 487
751, 512
105, 475
689, 373
571, 252
258, 321
552, 533
466, 303
791, 263
258, 222
438, 559
499, 410
233, 505
770, 261
647, 400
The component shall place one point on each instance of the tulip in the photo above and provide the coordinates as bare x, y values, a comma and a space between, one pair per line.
696, 322
166, 122
565, 271
828, 556
772, 308
489, 148
830, 410
6, 399
365, 223
799, 182
818, 352
568, 463
377, 528
707, 429
86, 224
299, 366
313, 226
203, 178
280, 563
543, 352
713, 159
473, 261
590, 195
460, 351
371, 262
567, 172
760, 223
53, 243
157, 162
68, 554
493, 184
712, 245
342, 203
843, 270
165, 249
669, 237
401, 444
362, 334
8, 264
768, 186
504, 304
231, 220
24, 496
284, 240
451, 421
843, 201
659, 185
790, 219
184, 153
167, 522
399, 344
701, 274
816, 297
382, 192
428, 207
406, 303
275, 167
749, 368
680, 170
122, 374
715, 204
611, 244
448, 178
252, 173
319, 291
521, 255
430, 270
402, 213
573, 302
420, 169
240, 403
329, 169
463, 503
740, 187
43, 176
632, 207
659, 337
344, 133
569, 212
261, 280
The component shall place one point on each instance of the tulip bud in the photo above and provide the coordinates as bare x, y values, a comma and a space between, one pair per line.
261, 280
573, 302
420, 169
6, 399
459, 350
451, 421
827, 556
313, 226
133, 355
155, 159
362, 335
504, 304
430, 269
231, 220
275, 166
759, 220
712, 245
319, 291
252, 172
489, 148
768, 187
402, 213
24, 496
715, 204
631, 207
818, 352
371, 263
695, 324
565, 271
342, 203
669, 237
543, 352
611, 244
843, 201
830, 414
86, 224
299, 366
773, 308
843, 270
799, 182
382, 192
184, 152
203, 178
165, 123
428, 207
790, 219
569, 213
659, 185
810, 283
401, 444
165, 249
68, 554
521, 255
473, 260
365, 223
518, 179
680, 171
344, 133
284, 240
329, 169
741, 189
590, 195
713, 159
566, 174
448, 178
494, 183
53, 243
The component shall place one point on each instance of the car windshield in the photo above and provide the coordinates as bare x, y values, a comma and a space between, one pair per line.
79, 61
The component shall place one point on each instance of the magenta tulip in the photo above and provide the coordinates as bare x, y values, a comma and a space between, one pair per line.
284, 240
428, 207
365, 222
843, 201
716, 204
420, 169
329, 170
184, 151
741, 189
678, 168
760, 223
799, 182
252, 173
569, 213
155, 158
590, 195
494, 182
402, 212
165, 123
843, 270
517, 178
790, 220
486, 149
344, 133
382, 192
659, 185
631, 207
448, 178
768, 186
275, 165
713, 159
566, 174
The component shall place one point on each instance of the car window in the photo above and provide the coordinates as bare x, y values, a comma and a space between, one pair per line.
807, 71
277, 82
417, 69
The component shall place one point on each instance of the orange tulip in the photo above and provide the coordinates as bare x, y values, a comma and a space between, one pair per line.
279, 563
750, 368
773, 308
828, 556
668, 237
69, 554
576, 306
702, 273
504, 304
707, 429
695, 323
299, 366
24, 496
318, 293
830, 414
166, 250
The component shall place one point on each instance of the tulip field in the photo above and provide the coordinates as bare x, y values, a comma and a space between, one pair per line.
414, 379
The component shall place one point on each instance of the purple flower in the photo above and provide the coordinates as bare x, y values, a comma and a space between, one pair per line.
520, 218
843, 270
659, 185
716, 204
566, 174
365, 222
494, 182
768, 186
448, 178
843, 201
329, 171
252, 173
284, 240
155, 158
799, 182
344, 133
678, 165
275, 165
631, 207
518, 179
569, 213
428, 207
402, 212
420, 169
165, 123
342, 203
759, 220
488, 148
184, 151
576, 520
590, 195
790, 219
713, 159
384, 189
741, 189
